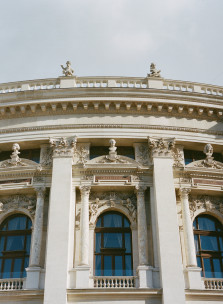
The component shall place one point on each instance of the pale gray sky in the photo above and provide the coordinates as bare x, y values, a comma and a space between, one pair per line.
112, 37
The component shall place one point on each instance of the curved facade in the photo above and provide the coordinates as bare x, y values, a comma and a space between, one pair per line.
122, 180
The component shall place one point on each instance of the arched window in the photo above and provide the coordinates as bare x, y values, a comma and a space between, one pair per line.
15, 236
208, 236
113, 245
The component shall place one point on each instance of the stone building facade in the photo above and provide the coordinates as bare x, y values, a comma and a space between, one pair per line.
111, 191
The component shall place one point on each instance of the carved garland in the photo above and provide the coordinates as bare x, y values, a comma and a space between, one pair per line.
16, 202
125, 202
205, 202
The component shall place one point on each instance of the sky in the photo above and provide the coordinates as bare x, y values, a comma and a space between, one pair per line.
112, 38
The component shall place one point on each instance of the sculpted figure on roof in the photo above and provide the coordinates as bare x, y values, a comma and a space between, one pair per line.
67, 71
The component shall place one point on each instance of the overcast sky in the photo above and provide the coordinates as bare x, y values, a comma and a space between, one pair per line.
112, 37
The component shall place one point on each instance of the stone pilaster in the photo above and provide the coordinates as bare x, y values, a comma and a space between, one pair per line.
59, 257
83, 269
34, 269
142, 226
144, 270
170, 260
84, 225
192, 272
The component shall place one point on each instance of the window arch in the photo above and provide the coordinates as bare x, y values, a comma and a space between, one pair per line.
113, 245
208, 236
15, 238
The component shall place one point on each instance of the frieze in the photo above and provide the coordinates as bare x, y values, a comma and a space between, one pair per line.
205, 202
18, 201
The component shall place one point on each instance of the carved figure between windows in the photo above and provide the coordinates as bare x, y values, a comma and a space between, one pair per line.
46, 156
81, 152
142, 154
178, 158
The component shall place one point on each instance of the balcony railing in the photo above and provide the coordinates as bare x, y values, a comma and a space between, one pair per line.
213, 284
11, 284
116, 82
114, 282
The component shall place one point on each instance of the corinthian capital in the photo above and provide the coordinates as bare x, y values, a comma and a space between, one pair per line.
85, 190
63, 147
140, 190
161, 147
184, 192
40, 191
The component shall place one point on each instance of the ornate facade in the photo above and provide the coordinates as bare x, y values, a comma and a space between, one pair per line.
111, 190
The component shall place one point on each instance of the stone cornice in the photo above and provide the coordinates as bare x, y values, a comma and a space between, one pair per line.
107, 126
164, 104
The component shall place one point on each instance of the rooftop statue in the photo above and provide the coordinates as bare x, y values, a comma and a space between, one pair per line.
153, 71
67, 71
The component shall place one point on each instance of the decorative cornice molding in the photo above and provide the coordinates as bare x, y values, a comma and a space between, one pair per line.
108, 126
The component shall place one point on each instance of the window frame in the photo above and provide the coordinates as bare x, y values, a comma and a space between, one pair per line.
15, 254
208, 254
113, 252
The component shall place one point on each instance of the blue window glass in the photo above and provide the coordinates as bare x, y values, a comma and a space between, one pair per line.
118, 266
113, 240
208, 234
113, 247
107, 265
15, 238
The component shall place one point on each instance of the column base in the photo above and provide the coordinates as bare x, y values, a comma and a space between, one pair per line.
145, 274
33, 277
193, 278
82, 277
